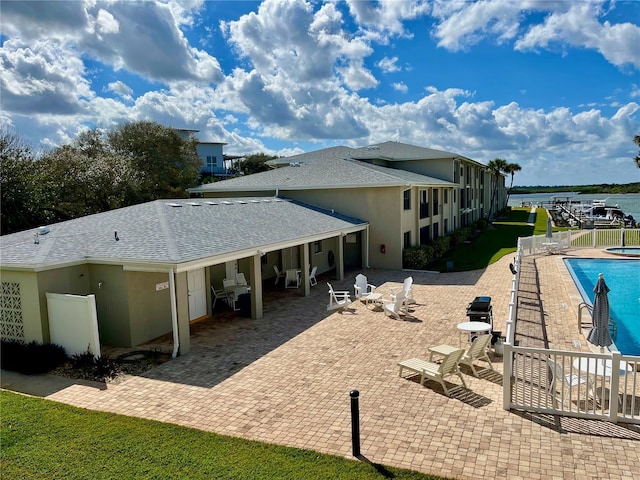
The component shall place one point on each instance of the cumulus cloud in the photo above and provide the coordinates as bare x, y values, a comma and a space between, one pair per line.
400, 87
388, 65
579, 26
121, 89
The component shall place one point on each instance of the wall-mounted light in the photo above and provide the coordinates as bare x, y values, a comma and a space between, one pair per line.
100, 285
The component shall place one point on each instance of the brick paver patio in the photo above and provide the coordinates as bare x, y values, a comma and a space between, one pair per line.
286, 378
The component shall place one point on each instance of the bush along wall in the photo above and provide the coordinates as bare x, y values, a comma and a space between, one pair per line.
419, 257
31, 358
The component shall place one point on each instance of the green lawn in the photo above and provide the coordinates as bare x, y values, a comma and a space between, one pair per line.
48, 440
499, 239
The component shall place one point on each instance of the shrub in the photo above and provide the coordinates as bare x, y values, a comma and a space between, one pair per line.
440, 246
94, 368
31, 358
417, 257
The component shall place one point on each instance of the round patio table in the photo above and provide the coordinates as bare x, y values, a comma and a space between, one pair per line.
472, 327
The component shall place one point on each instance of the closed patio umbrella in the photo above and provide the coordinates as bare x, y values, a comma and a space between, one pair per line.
599, 334
549, 233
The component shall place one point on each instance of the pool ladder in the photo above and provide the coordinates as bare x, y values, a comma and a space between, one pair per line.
613, 328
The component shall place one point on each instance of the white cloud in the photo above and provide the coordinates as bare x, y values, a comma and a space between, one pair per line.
400, 87
579, 26
388, 65
121, 89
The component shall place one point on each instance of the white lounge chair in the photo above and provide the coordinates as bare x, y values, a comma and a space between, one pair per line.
338, 300
477, 351
279, 274
362, 288
436, 371
312, 276
396, 307
564, 382
240, 279
406, 288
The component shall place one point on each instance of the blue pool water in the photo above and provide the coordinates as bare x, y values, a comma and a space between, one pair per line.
623, 278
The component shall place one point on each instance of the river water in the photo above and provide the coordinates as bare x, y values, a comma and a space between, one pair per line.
629, 203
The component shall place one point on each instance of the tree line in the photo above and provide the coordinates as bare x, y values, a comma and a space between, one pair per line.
98, 171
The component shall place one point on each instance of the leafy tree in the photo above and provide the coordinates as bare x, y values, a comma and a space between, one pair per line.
496, 167
256, 163
636, 140
87, 178
18, 184
511, 169
169, 163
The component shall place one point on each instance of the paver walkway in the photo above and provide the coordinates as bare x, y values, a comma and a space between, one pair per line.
286, 379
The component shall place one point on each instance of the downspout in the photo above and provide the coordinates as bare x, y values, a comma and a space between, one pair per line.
174, 314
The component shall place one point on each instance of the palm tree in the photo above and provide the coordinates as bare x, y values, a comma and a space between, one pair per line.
511, 169
496, 167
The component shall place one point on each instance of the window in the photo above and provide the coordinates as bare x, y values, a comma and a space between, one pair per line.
212, 162
317, 246
407, 239
407, 199
424, 204
436, 194
446, 196
436, 231
425, 235
446, 226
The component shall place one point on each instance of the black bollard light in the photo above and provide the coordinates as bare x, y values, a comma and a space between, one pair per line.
355, 422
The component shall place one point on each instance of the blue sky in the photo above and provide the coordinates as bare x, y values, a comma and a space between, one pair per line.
553, 85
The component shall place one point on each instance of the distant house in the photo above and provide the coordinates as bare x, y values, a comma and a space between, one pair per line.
213, 160
409, 195
153, 267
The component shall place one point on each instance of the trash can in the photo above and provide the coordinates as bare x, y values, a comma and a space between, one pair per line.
244, 304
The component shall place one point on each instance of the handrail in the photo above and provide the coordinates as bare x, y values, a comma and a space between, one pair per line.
582, 306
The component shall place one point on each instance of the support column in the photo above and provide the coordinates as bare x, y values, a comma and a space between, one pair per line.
340, 259
255, 274
305, 270
182, 300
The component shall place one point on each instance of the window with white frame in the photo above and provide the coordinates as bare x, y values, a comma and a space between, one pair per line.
212, 161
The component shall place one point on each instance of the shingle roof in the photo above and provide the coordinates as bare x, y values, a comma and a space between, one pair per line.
324, 154
396, 151
172, 232
320, 174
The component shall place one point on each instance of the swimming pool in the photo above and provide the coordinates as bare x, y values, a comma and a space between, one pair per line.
623, 278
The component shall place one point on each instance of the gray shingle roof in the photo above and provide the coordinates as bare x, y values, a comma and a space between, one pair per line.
396, 151
324, 154
320, 174
172, 232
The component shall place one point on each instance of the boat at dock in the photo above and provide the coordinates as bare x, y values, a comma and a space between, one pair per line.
596, 214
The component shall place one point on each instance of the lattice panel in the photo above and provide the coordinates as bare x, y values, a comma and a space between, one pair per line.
11, 322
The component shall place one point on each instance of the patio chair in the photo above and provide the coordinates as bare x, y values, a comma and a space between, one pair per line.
292, 278
396, 307
567, 381
279, 274
217, 294
241, 280
362, 288
406, 289
477, 351
312, 276
436, 371
338, 300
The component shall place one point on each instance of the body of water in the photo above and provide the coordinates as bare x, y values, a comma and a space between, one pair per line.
623, 279
629, 203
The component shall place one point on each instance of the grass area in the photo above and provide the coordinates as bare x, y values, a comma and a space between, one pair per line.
496, 241
45, 439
